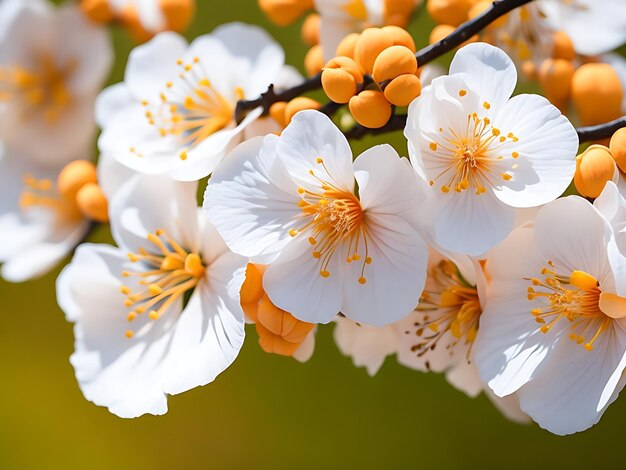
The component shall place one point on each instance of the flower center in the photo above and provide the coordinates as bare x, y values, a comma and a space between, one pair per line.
450, 305
41, 90
574, 298
334, 219
190, 108
166, 273
470, 157
42, 193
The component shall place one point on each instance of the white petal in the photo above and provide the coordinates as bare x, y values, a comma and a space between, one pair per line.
509, 407
306, 349
111, 101
464, 376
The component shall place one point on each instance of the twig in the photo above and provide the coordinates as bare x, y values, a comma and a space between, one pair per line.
601, 131
396, 123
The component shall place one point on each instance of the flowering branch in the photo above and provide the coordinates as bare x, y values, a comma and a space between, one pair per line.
425, 55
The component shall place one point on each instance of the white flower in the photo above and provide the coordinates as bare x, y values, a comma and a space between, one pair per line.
53, 63
136, 341
290, 201
553, 327
174, 113
483, 153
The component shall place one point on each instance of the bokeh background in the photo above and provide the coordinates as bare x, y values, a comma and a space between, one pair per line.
265, 411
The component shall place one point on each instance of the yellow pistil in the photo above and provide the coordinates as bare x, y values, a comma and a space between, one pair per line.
40, 90
333, 220
575, 298
191, 108
43, 194
448, 305
167, 272
470, 158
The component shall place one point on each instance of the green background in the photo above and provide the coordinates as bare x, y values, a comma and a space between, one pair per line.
265, 411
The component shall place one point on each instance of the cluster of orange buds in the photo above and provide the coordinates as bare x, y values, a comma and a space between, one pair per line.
78, 185
599, 164
373, 71
177, 16
282, 111
279, 331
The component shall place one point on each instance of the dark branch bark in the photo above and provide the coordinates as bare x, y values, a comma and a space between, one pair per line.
396, 123
601, 131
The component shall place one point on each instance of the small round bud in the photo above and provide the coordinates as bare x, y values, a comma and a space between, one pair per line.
74, 176
277, 112
347, 64
311, 29
597, 93
370, 108
274, 344
555, 77
594, 167
453, 12
314, 60
400, 37
392, 62
92, 203
98, 11
282, 323
563, 47
618, 148
285, 12
347, 45
338, 85
371, 43
529, 69
402, 90
252, 287
178, 13
301, 103
403, 8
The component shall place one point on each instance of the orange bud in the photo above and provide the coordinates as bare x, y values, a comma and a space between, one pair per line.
594, 167
347, 64
92, 203
402, 90
597, 93
400, 37
392, 62
311, 29
371, 43
338, 85
530, 70
399, 7
314, 60
129, 17
299, 104
347, 45
555, 77
618, 148
282, 323
178, 13
452, 12
370, 108
250, 309
285, 12
74, 176
277, 112
274, 344
563, 46
252, 288
98, 11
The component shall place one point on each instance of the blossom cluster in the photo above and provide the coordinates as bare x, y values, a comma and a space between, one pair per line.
494, 252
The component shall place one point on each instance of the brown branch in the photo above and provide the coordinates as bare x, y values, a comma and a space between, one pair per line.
601, 131
396, 123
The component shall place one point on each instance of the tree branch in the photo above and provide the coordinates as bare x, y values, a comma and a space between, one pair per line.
601, 131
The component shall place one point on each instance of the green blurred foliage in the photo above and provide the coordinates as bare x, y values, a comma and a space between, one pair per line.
265, 411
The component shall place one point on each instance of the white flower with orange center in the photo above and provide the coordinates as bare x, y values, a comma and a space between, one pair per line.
53, 63
175, 111
291, 202
553, 327
160, 313
483, 153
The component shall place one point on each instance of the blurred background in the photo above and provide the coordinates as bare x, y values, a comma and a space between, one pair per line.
265, 411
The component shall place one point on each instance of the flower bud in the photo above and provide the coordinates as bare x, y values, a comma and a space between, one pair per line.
314, 60
530, 70
74, 176
282, 323
274, 344
563, 47
347, 45
347, 64
252, 287
453, 12
555, 77
92, 203
98, 11
392, 62
285, 12
370, 108
338, 85
399, 7
299, 104
618, 148
129, 17
402, 90
277, 112
594, 167
311, 29
371, 43
400, 37
177, 13
597, 93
